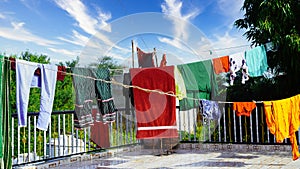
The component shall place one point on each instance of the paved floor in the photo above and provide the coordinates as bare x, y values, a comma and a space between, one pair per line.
190, 159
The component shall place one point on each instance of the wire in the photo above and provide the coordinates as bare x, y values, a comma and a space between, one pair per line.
169, 93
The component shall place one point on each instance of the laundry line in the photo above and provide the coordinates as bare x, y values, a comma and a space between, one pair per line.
169, 93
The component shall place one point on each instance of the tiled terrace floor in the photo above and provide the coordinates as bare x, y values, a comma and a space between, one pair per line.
187, 158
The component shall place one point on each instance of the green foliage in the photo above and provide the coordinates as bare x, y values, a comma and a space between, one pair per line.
106, 62
277, 21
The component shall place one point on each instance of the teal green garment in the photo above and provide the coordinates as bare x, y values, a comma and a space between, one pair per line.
256, 60
200, 83
5, 115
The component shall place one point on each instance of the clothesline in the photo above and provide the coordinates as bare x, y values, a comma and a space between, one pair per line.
169, 93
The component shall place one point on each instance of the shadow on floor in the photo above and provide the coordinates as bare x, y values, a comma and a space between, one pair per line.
214, 164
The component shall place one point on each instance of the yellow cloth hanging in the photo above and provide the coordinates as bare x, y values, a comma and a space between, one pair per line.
282, 118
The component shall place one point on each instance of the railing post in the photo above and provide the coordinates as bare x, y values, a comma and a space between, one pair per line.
72, 133
179, 123
234, 126
229, 125
45, 144
58, 133
257, 134
189, 125
13, 138
224, 120
28, 139
34, 138
50, 138
251, 128
64, 133
241, 133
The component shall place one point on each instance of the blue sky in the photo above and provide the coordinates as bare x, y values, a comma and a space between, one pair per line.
63, 29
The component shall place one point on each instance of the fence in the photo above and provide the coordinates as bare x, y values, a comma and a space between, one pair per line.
230, 128
62, 139
31, 145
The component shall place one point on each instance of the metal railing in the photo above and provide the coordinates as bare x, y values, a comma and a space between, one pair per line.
31, 145
230, 128
62, 139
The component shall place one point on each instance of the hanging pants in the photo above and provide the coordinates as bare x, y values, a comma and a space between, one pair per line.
25, 80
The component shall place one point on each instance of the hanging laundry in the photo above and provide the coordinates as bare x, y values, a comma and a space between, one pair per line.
243, 108
179, 84
104, 96
282, 118
25, 80
210, 109
99, 132
238, 62
200, 83
61, 73
221, 64
61, 70
128, 93
163, 61
90, 92
85, 95
155, 113
145, 59
256, 59
5, 115
270, 47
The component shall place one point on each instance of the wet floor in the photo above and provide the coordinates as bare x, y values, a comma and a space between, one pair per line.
182, 159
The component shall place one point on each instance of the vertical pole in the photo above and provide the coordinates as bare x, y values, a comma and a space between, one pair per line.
179, 123
13, 138
58, 133
72, 133
241, 132
251, 128
132, 54
50, 141
155, 56
234, 126
224, 124
29, 135
64, 133
34, 138
256, 120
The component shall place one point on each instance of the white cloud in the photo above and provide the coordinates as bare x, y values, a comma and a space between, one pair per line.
19, 33
173, 42
65, 52
76, 39
173, 8
231, 10
2, 16
79, 12
91, 25
17, 26
229, 44
31, 4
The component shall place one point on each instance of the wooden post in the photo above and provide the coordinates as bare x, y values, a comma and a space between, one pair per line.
132, 54
155, 57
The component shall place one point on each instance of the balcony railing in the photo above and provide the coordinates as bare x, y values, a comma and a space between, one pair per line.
61, 140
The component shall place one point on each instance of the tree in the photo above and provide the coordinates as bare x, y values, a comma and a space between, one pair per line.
106, 62
276, 21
